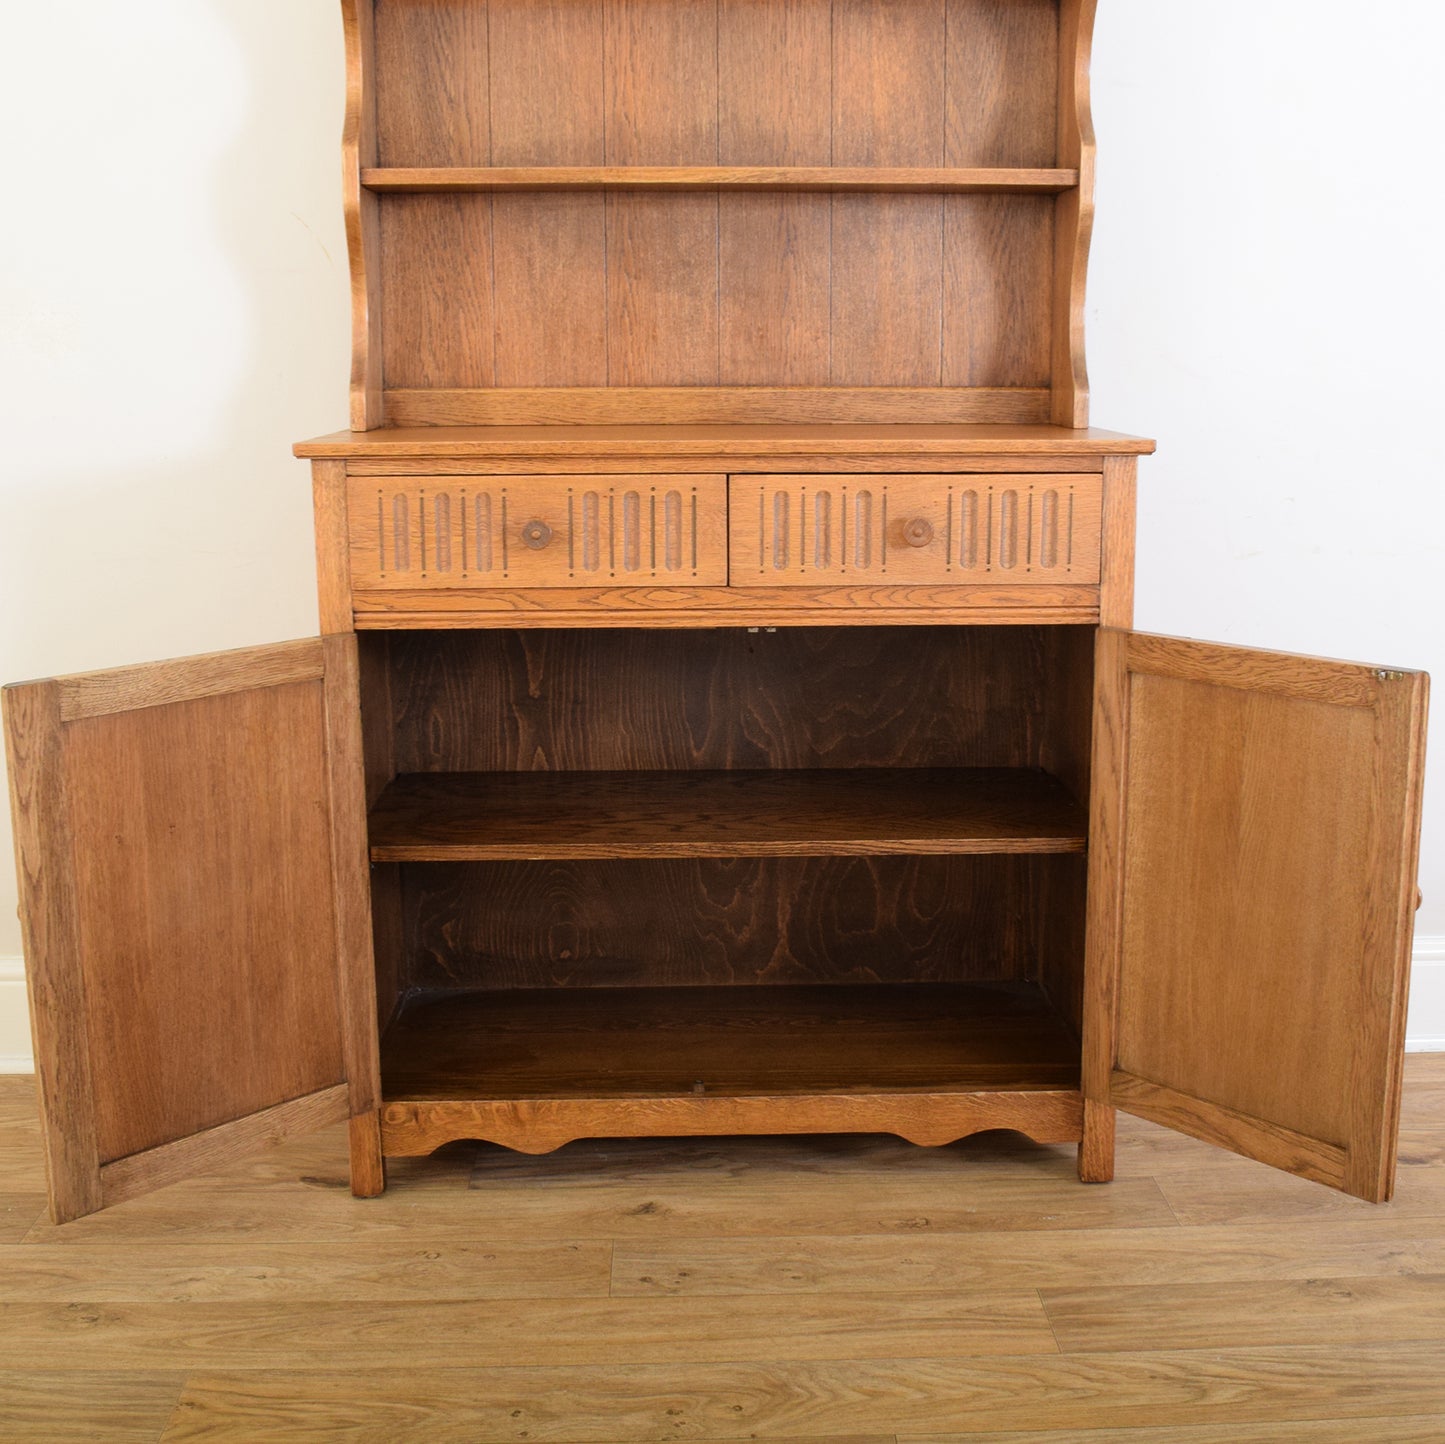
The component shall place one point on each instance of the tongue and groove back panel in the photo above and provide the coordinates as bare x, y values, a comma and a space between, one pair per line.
771, 210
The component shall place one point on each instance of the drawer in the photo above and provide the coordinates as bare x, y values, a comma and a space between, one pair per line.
805, 531
537, 531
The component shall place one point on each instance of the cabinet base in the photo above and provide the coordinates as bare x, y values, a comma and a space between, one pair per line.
408, 1129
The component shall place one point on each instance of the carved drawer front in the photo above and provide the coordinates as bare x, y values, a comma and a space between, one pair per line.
803, 531
537, 531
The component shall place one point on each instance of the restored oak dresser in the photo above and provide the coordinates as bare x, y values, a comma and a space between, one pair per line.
727, 717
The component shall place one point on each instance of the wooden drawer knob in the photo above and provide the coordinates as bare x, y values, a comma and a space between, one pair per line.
918, 532
536, 534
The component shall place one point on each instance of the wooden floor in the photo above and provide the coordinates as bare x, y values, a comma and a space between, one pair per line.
808, 1290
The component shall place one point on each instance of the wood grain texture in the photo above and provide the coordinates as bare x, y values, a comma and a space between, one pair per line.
1116, 583
662, 289
1388, 940
704, 608
973, 288
432, 75
378, 769
997, 268
1074, 214
1286, 1148
547, 83
664, 443
700, 922
1001, 82
85, 695
121, 1406
888, 67
1290, 1387
359, 150
618, 405
200, 1010
368, 1167
140, 1173
350, 883
963, 180
661, 65
333, 561
550, 295
50, 934
438, 317
775, 84
20, 1212
565, 700
538, 531
476, 817
773, 292
887, 285
739, 463
1096, 1149
1419, 1429
1296, 783
554, 1333
364, 1271
203, 883
550, 259
729, 1042
1105, 887
716, 1223
1112, 1261
1240, 1313
927, 1119
801, 530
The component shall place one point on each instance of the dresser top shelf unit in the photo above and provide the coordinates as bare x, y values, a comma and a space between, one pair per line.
718, 211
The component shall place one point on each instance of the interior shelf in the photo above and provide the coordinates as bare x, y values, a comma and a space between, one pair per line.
483, 816
973, 180
727, 1041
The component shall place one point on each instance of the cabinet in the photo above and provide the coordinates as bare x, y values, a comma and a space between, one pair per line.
727, 717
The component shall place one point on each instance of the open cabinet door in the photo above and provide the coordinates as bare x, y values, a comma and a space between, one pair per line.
1252, 892
193, 884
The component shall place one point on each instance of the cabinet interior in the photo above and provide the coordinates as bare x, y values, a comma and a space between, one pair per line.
629, 862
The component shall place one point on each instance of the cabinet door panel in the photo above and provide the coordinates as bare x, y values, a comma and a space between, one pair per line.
192, 872
1253, 858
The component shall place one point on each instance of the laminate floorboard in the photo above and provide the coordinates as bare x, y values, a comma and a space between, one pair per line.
810, 1290
69, 1406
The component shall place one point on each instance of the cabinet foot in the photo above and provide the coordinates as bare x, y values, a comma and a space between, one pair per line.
368, 1169
1096, 1150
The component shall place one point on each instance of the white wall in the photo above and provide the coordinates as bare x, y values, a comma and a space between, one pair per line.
1266, 300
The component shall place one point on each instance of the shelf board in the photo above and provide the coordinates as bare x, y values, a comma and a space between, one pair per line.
485, 816
569, 1043
760, 444
954, 180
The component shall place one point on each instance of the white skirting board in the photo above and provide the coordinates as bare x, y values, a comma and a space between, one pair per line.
14, 1019
1425, 1034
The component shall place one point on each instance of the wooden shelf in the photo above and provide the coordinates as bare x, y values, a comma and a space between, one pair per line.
966, 181
575, 1043
703, 445
481, 816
